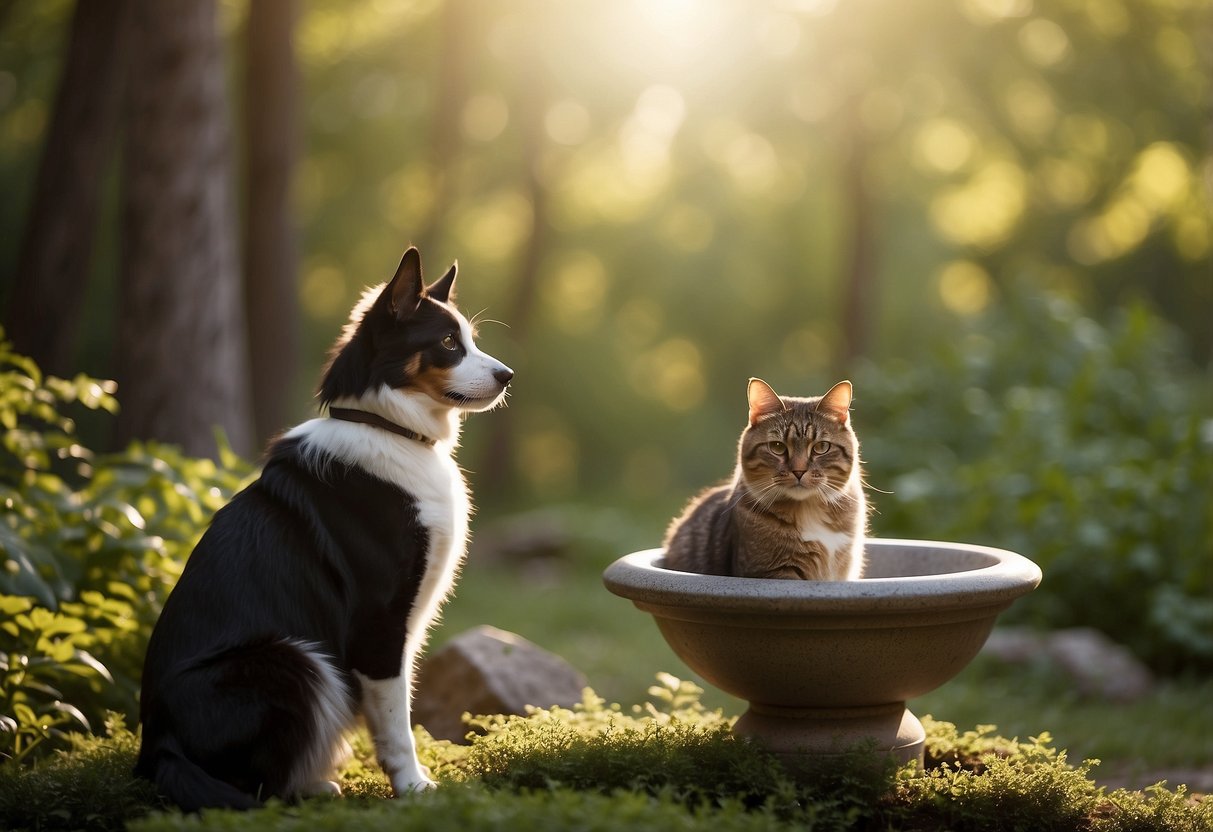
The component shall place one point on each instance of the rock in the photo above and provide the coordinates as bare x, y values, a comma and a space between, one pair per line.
1097, 666
489, 671
1014, 645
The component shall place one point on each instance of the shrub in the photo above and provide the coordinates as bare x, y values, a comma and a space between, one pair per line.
87, 786
1087, 448
92, 544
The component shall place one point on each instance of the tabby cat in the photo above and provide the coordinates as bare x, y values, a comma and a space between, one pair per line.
795, 507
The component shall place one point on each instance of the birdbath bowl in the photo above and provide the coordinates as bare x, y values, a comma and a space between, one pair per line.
827, 666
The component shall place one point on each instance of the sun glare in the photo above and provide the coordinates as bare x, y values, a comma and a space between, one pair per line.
663, 37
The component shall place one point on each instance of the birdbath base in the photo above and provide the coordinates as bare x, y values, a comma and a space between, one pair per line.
801, 736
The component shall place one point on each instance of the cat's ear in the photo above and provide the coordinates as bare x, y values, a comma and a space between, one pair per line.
837, 402
763, 400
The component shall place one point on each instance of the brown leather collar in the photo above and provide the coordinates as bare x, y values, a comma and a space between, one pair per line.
349, 415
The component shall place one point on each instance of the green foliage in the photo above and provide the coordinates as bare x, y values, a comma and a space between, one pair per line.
1156, 808
92, 544
1087, 448
601, 767
44, 655
1033, 789
473, 808
87, 786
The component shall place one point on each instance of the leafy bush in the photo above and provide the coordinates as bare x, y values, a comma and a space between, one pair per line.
92, 544
1087, 448
87, 786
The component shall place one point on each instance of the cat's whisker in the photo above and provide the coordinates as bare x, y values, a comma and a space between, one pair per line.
771, 490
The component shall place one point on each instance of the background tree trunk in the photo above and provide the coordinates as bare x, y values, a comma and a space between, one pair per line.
270, 258
498, 463
43, 314
182, 358
446, 138
859, 254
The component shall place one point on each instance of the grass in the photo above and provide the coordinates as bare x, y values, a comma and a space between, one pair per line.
672, 766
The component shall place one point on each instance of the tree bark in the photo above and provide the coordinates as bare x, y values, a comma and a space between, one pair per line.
182, 357
859, 275
450, 95
498, 464
43, 314
270, 256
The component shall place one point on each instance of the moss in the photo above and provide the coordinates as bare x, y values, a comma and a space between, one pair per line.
670, 764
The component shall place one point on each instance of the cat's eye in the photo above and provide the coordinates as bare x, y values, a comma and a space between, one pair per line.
777, 448
821, 447
450, 342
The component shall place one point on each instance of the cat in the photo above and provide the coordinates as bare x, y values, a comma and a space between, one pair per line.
795, 507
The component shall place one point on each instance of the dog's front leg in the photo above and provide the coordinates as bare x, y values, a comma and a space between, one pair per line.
386, 706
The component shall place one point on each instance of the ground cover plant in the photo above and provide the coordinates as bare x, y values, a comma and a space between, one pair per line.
669, 764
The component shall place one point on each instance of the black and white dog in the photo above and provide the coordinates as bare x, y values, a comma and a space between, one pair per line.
308, 598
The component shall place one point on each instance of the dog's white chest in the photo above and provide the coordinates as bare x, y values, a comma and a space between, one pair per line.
429, 478
443, 511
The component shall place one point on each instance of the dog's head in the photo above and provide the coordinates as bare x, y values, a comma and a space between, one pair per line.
407, 338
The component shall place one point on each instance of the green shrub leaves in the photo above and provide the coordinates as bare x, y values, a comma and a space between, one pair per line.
91, 546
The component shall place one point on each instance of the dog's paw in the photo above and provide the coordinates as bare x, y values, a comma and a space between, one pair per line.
417, 780
322, 788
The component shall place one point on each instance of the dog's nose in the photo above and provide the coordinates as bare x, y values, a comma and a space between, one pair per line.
503, 375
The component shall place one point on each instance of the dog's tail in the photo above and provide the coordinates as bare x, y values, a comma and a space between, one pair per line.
185, 783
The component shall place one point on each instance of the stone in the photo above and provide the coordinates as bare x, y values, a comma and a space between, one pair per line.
1097, 666
489, 671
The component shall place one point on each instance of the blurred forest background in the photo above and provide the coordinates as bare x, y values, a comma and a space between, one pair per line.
993, 215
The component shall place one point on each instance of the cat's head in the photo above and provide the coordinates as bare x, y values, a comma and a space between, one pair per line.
798, 448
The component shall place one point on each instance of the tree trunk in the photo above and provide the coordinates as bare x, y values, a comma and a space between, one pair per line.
859, 276
498, 464
182, 358
270, 258
450, 95
43, 314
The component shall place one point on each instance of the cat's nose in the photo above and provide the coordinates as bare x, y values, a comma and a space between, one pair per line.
800, 473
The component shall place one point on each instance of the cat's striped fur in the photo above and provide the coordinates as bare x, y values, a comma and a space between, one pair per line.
795, 507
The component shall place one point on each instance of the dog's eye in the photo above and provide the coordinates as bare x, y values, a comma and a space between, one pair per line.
821, 447
777, 448
450, 342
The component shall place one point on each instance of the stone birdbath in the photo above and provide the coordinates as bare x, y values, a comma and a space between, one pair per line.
828, 666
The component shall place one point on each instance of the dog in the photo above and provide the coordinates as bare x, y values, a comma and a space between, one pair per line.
307, 600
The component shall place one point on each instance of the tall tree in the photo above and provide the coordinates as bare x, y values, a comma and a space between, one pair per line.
182, 357
43, 313
450, 95
270, 258
859, 245
498, 464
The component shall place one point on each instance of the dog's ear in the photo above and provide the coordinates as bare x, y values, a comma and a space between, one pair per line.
444, 287
407, 288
